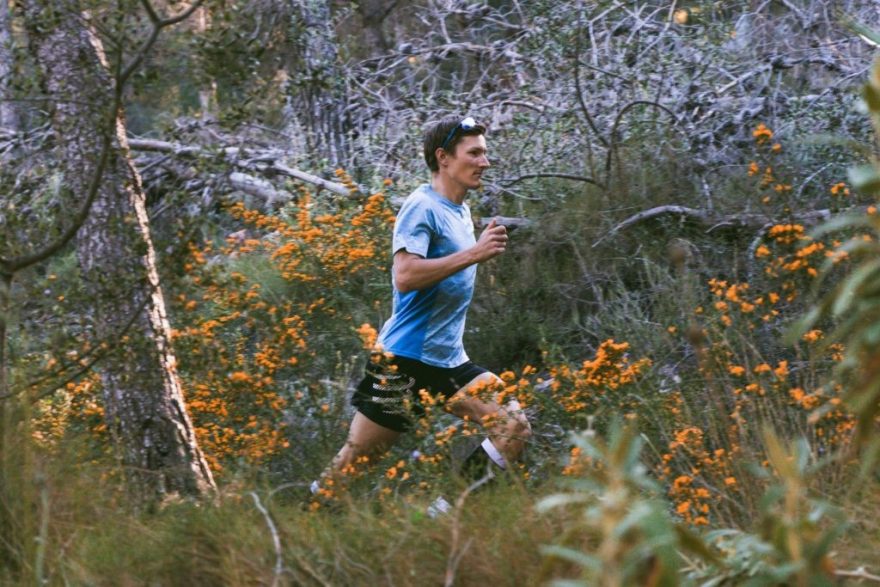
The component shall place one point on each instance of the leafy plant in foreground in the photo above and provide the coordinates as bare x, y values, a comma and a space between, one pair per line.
855, 302
792, 543
626, 535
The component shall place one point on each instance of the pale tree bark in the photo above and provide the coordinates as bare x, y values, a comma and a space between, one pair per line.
143, 399
8, 114
317, 90
208, 91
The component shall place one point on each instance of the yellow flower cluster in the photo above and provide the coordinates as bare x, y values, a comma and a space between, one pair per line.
840, 190
77, 404
762, 134
241, 344
695, 473
581, 390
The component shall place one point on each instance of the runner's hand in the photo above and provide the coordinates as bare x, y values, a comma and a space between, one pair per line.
493, 242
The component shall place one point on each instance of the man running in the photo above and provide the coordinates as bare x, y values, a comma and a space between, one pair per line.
433, 274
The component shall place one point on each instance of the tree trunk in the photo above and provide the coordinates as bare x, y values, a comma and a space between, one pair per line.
8, 112
373, 14
143, 399
318, 93
207, 91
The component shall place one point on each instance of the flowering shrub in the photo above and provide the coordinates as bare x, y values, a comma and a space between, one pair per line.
273, 322
276, 304
261, 322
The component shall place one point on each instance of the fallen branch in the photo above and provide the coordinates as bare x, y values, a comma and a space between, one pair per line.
510, 181
267, 161
258, 187
760, 222
263, 160
859, 573
698, 215
276, 541
337, 188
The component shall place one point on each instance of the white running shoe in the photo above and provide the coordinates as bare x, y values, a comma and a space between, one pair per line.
439, 507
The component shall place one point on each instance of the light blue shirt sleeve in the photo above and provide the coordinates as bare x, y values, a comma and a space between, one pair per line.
414, 226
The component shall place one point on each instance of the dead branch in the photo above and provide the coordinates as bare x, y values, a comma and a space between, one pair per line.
276, 541
261, 188
859, 573
507, 182
265, 161
456, 553
760, 222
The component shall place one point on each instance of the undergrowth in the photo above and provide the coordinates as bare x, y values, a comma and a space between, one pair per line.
678, 437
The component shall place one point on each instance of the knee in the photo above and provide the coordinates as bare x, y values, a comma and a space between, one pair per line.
518, 426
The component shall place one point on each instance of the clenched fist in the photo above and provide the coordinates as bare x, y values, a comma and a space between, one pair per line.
493, 242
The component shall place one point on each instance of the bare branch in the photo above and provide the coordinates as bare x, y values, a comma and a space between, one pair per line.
276, 541
698, 215
264, 161
164, 147
336, 188
99, 352
577, 84
510, 222
511, 181
714, 222
258, 187
16, 264
456, 553
612, 145
859, 573
158, 25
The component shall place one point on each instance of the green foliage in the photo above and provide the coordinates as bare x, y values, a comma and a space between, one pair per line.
545, 309
625, 535
793, 539
853, 303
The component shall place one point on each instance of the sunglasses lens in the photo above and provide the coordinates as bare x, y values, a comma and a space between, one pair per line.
466, 124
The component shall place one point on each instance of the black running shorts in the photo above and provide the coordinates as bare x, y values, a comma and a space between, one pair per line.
382, 392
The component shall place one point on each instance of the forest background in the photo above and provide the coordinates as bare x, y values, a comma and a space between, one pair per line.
196, 208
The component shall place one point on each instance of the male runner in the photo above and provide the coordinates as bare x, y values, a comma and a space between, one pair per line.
434, 269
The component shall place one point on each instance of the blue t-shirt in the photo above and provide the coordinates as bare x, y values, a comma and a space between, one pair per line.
427, 325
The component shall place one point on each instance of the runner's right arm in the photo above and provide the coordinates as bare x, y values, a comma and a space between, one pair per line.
414, 272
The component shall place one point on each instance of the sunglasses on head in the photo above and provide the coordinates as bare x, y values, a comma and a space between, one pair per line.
466, 124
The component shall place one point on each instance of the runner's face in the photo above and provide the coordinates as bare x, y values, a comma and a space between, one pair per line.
466, 165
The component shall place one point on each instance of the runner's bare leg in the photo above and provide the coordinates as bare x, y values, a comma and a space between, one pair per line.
365, 438
507, 428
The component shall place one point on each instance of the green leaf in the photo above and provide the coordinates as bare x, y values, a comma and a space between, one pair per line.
693, 544
864, 398
574, 556
560, 500
851, 326
865, 178
872, 97
823, 545
847, 294
635, 517
870, 457
850, 219
871, 335
863, 30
